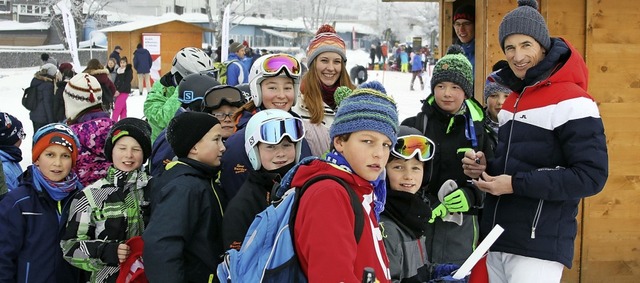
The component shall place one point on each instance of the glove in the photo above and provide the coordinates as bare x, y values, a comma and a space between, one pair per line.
456, 201
439, 211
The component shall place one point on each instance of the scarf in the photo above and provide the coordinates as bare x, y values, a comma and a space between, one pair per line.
327, 94
12, 151
409, 211
57, 190
379, 185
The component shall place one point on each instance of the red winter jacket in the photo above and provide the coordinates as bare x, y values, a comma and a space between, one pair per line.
324, 228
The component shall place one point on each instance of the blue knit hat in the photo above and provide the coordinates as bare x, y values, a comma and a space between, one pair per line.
367, 108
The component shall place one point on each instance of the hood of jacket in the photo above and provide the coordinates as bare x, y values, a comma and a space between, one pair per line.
552, 69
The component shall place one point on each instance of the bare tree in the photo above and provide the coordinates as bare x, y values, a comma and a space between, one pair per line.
81, 10
318, 12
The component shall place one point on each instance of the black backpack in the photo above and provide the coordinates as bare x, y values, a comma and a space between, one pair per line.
30, 98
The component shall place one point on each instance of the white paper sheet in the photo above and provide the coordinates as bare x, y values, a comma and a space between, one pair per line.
484, 246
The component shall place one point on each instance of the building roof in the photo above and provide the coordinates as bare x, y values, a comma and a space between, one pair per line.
13, 25
277, 33
359, 28
144, 23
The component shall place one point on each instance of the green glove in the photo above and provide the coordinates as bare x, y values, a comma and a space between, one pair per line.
456, 201
439, 211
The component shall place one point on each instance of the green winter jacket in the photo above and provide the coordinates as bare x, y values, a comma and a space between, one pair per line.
161, 105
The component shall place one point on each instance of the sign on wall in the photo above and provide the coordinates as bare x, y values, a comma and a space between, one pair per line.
151, 42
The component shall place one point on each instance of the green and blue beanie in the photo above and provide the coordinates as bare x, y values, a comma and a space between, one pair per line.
454, 67
367, 108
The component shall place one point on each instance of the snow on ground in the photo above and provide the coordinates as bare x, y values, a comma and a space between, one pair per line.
12, 82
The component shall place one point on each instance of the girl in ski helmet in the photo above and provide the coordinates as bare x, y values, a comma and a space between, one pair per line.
274, 82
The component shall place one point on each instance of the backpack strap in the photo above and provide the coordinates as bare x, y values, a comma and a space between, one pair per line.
421, 122
355, 203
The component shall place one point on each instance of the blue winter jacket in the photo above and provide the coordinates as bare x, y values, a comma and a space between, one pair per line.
236, 72
470, 52
416, 63
31, 224
552, 143
142, 61
11, 168
235, 162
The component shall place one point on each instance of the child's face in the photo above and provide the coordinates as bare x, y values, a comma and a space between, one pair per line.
274, 156
111, 63
228, 125
55, 162
494, 104
123, 63
127, 154
405, 175
366, 151
210, 147
328, 66
277, 93
449, 96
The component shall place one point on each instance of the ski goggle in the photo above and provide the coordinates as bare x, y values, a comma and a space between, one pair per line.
408, 146
274, 64
273, 131
214, 96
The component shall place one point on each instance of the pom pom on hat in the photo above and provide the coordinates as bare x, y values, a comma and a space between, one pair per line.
55, 134
367, 108
340, 94
82, 91
11, 130
186, 129
133, 127
454, 67
525, 20
326, 40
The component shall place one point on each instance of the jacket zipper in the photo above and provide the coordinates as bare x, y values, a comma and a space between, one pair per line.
536, 218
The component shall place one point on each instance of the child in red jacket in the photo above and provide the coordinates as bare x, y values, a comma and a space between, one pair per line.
362, 134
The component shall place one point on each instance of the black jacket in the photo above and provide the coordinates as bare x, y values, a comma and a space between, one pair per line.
253, 197
446, 241
123, 81
183, 241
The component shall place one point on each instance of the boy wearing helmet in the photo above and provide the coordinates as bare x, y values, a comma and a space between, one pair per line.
274, 83
190, 94
162, 101
271, 157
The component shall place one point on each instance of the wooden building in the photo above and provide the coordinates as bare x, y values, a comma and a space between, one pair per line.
606, 34
174, 34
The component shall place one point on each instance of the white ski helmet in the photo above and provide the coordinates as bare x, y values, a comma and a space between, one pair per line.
253, 129
258, 74
190, 60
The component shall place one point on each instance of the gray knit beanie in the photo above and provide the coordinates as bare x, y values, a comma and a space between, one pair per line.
493, 87
525, 20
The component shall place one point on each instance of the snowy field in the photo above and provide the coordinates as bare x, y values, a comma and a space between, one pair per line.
12, 81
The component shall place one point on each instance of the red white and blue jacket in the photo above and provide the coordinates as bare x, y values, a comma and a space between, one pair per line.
552, 142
